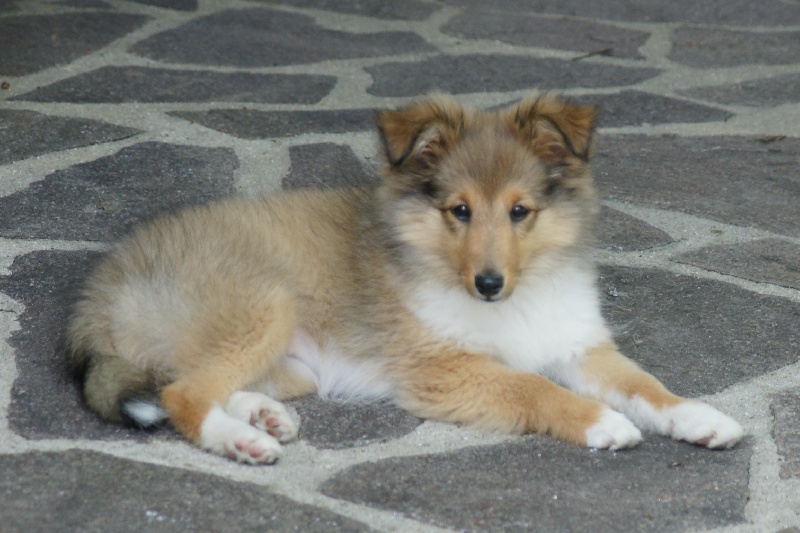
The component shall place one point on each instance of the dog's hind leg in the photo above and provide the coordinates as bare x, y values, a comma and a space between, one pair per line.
473, 389
609, 376
229, 347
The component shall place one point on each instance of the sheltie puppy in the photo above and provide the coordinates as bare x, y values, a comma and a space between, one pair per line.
458, 288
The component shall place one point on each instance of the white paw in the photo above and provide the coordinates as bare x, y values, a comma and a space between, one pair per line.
264, 413
613, 431
225, 435
702, 424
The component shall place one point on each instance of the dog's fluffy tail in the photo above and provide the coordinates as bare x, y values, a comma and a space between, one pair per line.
118, 390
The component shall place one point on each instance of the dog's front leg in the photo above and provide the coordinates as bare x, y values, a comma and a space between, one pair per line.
607, 375
475, 390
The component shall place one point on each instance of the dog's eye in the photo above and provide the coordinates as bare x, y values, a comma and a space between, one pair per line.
519, 212
461, 212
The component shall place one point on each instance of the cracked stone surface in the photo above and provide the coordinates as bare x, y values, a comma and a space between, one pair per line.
112, 112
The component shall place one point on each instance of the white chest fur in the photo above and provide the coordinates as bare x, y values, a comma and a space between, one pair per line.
544, 322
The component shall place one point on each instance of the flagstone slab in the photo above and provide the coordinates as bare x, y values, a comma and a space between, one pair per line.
337, 425
637, 108
142, 84
25, 134
698, 336
785, 409
766, 92
765, 260
737, 180
102, 199
261, 37
385, 9
619, 232
88, 491
255, 124
180, 5
546, 32
31, 43
494, 72
733, 12
538, 484
326, 165
708, 47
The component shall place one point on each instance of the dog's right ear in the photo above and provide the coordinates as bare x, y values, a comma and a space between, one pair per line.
415, 137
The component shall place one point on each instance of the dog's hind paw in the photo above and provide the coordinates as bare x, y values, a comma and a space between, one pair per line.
613, 432
701, 424
264, 413
225, 435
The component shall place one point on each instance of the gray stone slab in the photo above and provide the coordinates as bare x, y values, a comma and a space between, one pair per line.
45, 399
8, 6
765, 92
93, 492
586, 37
716, 48
698, 336
25, 134
180, 5
34, 42
492, 72
765, 260
140, 84
543, 485
736, 180
253, 124
267, 37
385, 9
101, 199
785, 409
91, 4
336, 425
635, 108
619, 232
326, 165
733, 12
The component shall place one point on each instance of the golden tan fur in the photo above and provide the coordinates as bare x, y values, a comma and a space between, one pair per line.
205, 303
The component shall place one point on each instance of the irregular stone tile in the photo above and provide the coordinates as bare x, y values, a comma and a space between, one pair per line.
101, 199
45, 400
482, 73
543, 485
564, 34
619, 232
785, 409
7, 6
181, 5
25, 134
733, 12
89, 491
765, 260
706, 47
735, 180
325, 165
252, 124
140, 84
335, 425
634, 108
92, 4
266, 37
386, 9
766, 92
698, 336
35, 42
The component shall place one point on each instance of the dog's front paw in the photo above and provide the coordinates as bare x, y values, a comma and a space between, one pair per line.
613, 432
701, 424
225, 435
264, 413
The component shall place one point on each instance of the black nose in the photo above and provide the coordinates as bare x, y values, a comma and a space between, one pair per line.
489, 283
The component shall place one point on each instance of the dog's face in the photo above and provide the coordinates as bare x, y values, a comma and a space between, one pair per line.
480, 199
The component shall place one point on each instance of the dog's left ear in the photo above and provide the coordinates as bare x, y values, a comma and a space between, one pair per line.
415, 137
556, 129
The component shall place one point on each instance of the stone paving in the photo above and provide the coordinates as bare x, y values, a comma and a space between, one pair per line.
114, 110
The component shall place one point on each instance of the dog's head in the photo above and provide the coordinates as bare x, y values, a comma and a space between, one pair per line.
485, 198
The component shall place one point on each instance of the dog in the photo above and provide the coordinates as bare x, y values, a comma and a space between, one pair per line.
459, 288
